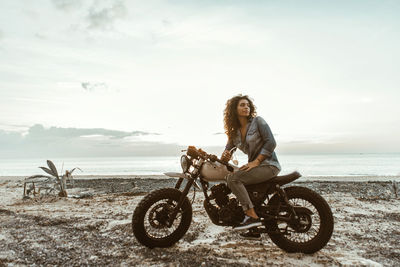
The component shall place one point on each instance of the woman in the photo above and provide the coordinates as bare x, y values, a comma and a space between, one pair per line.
252, 135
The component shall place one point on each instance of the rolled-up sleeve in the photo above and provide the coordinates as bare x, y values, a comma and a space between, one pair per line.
267, 137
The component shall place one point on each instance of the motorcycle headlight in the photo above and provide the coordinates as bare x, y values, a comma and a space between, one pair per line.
185, 163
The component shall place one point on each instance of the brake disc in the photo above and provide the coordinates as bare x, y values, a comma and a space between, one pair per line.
303, 224
159, 215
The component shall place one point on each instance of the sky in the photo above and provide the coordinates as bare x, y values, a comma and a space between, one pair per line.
121, 78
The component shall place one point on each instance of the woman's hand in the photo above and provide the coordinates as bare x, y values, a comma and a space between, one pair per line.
226, 156
250, 165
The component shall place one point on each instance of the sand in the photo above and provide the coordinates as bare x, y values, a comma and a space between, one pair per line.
96, 230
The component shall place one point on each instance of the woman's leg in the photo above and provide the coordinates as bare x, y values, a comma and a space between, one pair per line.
237, 180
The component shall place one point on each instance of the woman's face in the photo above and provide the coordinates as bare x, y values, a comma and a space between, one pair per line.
243, 108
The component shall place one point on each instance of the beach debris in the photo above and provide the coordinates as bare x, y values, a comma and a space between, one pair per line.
378, 191
68, 176
36, 185
83, 195
395, 187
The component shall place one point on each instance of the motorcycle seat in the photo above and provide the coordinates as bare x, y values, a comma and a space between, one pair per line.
267, 185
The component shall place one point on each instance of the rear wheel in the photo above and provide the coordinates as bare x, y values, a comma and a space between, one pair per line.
312, 230
151, 216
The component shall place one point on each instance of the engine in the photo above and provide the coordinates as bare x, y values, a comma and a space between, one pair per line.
225, 211
220, 193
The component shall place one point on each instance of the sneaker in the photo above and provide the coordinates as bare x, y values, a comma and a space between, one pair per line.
251, 235
248, 222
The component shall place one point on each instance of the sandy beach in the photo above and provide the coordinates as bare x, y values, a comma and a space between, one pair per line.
96, 229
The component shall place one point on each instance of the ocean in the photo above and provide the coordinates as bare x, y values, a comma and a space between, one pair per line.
307, 165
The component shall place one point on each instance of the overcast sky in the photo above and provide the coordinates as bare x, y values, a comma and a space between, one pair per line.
78, 75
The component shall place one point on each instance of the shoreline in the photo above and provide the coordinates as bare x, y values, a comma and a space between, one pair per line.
322, 178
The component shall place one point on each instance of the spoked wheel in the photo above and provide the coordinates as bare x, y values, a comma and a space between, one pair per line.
150, 220
314, 226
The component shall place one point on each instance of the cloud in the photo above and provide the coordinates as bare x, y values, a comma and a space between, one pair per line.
76, 142
166, 22
67, 5
103, 18
39, 132
1, 35
9, 139
90, 87
40, 36
96, 14
10, 128
39, 142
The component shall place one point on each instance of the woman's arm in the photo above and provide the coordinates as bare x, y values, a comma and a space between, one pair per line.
229, 145
267, 137
226, 155
253, 163
260, 158
268, 147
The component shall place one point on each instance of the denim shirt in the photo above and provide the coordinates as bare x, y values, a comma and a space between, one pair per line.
258, 140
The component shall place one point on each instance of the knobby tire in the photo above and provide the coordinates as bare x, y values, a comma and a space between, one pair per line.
145, 204
326, 222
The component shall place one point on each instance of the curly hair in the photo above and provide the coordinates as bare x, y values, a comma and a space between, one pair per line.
231, 121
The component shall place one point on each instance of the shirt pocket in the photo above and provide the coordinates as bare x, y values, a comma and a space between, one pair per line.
253, 135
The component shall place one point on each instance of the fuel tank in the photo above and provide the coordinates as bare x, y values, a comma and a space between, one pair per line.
215, 171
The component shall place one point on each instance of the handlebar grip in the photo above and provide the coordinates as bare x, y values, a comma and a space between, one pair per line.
215, 158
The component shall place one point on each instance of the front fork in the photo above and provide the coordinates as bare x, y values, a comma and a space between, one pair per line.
178, 183
181, 200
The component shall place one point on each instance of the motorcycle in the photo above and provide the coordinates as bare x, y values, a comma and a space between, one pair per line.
296, 218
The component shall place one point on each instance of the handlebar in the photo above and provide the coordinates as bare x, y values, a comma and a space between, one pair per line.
215, 158
194, 152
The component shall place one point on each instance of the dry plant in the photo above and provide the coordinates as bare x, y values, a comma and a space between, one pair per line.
44, 184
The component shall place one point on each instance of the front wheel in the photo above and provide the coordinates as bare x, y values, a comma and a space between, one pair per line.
151, 216
314, 227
